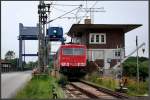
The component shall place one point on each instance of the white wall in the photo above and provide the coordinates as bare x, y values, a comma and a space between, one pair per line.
93, 54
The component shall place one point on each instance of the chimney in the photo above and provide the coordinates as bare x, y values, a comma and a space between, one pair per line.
87, 21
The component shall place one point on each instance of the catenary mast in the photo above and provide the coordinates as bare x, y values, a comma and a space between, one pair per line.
42, 55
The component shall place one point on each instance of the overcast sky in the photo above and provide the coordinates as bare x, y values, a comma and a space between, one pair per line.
117, 12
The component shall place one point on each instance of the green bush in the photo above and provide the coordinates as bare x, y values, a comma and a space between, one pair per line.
134, 90
130, 67
40, 87
143, 69
62, 81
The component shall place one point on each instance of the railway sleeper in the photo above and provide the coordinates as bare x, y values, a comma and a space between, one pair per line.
86, 92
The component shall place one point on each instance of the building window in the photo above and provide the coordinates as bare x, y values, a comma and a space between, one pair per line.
117, 53
92, 38
102, 38
97, 38
76, 40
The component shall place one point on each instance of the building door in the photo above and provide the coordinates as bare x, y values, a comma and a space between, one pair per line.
108, 55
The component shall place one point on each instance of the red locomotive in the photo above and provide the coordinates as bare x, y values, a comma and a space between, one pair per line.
70, 60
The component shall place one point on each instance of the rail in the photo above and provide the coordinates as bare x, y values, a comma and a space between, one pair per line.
105, 90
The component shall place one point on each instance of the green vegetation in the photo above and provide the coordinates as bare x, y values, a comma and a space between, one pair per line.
129, 67
40, 87
30, 65
62, 81
130, 72
106, 82
110, 83
9, 55
12, 61
133, 88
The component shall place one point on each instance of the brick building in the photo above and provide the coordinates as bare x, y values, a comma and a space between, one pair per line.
105, 42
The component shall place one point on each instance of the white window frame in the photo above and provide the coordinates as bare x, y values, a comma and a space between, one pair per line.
100, 42
117, 53
117, 56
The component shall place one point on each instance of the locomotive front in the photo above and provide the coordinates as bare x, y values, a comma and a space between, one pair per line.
73, 60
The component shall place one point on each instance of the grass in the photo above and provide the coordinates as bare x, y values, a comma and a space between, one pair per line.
40, 87
110, 83
133, 88
106, 82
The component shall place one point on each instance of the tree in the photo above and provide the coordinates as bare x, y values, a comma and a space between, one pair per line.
10, 55
130, 67
142, 59
32, 64
144, 70
13, 62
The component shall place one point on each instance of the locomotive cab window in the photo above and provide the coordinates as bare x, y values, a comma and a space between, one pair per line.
73, 51
67, 51
78, 51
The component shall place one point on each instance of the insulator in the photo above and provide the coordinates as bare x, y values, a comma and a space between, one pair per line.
43, 12
48, 8
45, 16
42, 6
39, 6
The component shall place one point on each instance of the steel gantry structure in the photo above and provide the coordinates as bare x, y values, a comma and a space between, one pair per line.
26, 33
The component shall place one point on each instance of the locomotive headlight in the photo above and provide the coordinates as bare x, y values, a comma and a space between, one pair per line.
63, 64
81, 64
67, 64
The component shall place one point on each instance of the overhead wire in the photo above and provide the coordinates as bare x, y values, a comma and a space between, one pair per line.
63, 14
75, 14
92, 14
94, 4
87, 11
61, 10
64, 5
71, 11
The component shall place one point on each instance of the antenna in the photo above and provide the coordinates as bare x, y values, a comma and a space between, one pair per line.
86, 9
92, 10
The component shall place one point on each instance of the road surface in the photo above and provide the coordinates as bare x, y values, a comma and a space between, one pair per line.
11, 82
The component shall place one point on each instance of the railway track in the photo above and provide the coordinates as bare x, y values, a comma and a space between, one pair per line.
73, 93
82, 89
